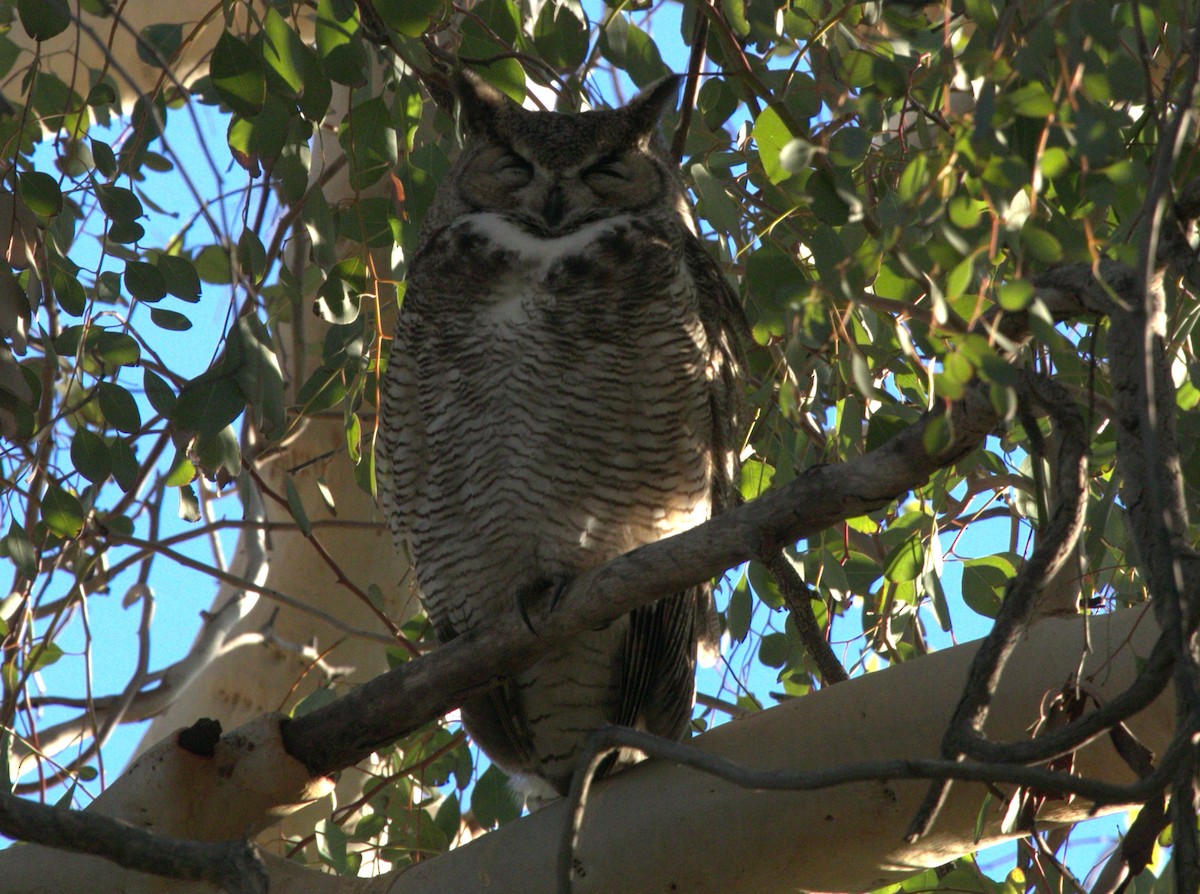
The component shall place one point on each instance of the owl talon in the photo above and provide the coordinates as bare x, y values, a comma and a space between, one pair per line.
522, 602
558, 586
550, 589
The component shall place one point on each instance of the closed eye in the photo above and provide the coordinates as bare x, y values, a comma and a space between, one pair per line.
608, 167
513, 169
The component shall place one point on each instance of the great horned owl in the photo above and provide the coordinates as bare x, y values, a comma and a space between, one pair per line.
562, 387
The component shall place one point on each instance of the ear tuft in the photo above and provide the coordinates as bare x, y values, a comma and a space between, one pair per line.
649, 105
478, 101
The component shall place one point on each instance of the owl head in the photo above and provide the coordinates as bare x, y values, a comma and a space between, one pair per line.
551, 172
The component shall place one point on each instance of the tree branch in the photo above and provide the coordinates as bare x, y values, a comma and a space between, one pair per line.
1055, 545
234, 866
425, 688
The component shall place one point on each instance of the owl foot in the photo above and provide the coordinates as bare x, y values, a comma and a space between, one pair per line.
542, 589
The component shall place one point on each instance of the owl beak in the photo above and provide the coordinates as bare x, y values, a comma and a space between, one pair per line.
553, 206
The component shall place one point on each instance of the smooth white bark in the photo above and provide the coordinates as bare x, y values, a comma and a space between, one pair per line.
659, 827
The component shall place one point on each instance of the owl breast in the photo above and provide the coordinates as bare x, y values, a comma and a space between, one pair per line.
563, 405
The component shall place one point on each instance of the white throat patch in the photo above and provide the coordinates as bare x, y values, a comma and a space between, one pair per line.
539, 252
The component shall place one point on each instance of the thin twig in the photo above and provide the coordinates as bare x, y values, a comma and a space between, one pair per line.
1055, 545
611, 738
799, 598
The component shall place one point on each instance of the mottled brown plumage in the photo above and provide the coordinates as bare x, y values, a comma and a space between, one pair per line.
562, 388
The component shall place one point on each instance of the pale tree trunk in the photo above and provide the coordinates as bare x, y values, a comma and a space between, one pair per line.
255, 653
659, 827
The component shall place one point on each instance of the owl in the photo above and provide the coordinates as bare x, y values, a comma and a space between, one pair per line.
562, 387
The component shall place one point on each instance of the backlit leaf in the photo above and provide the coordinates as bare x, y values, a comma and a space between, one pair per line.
62, 512
237, 75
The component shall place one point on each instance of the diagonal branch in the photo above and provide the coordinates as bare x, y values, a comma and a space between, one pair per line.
425, 688
233, 866
394, 704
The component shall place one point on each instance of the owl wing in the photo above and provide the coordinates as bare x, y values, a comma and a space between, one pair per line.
401, 459
659, 661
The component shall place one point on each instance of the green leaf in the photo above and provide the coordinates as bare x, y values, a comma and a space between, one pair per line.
296, 506
561, 34
409, 17
337, 302
108, 287
42, 656
179, 275
353, 430
114, 349
317, 92
857, 69
771, 135
102, 94
849, 146
61, 108
89, 453
182, 471
252, 256
68, 290
207, 405
125, 232
716, 102
828, 205
372, 222
259, 376
773, 650
258, 142
629, 47
124, 464
338, 42
492, 800
62, 512
1015, 295
368, 137
40, 192
145, 282
1041, 244
118, 407
219, 455
170, 320
735, 15
965, 212
740, 612
960, 278
984, 581
159, 393
157, 43
44, 19
756, 478
213, 265
119, 203
17, 546
1032, 101
323, 389
331, 845
914, 179
237, 75
906, 561
283, 54
102, 155
318, 698
716, 205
